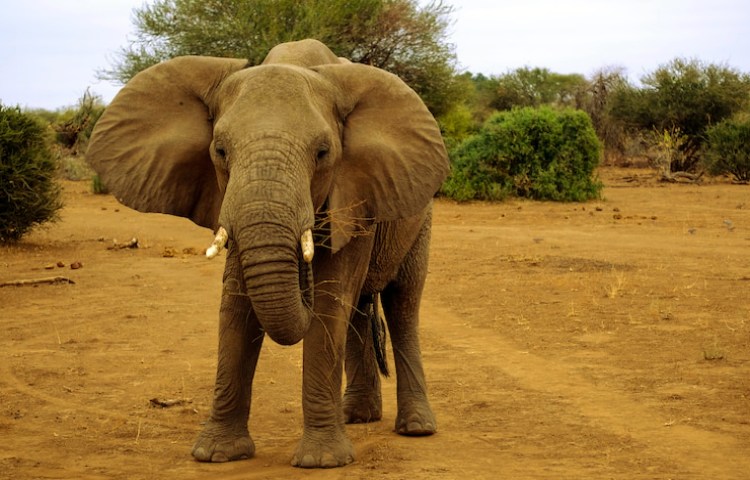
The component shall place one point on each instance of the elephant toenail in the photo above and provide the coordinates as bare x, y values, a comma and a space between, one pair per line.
219, 457
200, 454
328, 461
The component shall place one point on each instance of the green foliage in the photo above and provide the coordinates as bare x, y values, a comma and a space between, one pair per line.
481, 96
685, 94
406, 37
456, 124
727, 150
97, 186
523, 87
480, 93
68, 132
28, 193
533, 87
544, 154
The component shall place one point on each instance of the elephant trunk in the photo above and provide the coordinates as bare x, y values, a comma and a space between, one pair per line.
278, 282
268, 212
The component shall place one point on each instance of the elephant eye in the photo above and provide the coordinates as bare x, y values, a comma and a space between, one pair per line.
322, 153
220, 151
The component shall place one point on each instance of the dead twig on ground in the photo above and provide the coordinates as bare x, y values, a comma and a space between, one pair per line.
157, 402
676, 177
37, 281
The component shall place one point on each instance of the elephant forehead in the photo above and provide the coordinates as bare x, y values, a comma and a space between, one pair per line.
276, 82
281, 98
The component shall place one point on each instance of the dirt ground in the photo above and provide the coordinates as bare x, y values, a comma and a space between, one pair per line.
602, 340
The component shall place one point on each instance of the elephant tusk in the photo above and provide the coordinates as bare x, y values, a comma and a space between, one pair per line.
308, 247
218, 244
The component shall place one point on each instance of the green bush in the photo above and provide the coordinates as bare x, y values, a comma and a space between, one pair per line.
727, 150
544, 154
28, 193
456, 124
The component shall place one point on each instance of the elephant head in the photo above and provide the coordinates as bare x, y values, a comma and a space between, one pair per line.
261, 150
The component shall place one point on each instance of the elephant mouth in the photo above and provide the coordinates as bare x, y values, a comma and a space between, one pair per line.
307, 246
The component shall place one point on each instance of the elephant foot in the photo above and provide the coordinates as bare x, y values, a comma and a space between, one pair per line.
323, 448
362, 408
416, 420
221, 443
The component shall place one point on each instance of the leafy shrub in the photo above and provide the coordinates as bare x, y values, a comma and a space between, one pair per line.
456, 124
73, 126
28, 193
727, 150
544, 154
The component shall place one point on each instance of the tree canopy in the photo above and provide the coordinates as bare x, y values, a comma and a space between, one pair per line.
684, 96
400, 36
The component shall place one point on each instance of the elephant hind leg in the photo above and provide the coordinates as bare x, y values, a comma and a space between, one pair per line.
401, 299
362, 400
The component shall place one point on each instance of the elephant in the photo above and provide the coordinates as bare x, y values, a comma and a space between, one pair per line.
305, 145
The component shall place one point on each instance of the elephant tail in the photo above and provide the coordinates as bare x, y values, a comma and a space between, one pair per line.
379, 335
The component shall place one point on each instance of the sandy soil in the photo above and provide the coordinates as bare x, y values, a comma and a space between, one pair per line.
601, 340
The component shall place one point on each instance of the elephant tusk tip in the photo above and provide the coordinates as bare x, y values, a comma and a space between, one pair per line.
308, 246
218, 244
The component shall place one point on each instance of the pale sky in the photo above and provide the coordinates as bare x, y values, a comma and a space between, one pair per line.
50, 50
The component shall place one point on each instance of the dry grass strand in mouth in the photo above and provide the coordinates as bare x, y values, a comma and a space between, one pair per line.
343, 221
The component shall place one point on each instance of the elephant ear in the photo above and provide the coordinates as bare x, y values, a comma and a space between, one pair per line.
394, 159
151, 145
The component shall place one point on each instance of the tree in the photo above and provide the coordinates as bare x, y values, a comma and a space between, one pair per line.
533, 87
687, 95
597, 103
397, 35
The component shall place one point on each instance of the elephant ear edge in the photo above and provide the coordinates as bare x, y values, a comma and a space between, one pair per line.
151, 146
394, 159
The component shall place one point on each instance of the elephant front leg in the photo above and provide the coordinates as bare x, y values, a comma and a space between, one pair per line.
225, 436
339, 279
324, 441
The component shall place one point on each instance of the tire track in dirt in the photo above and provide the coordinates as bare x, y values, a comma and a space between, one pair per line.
11, 381
700, 452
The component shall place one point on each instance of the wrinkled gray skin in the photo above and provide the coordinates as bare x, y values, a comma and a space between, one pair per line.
304, 140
